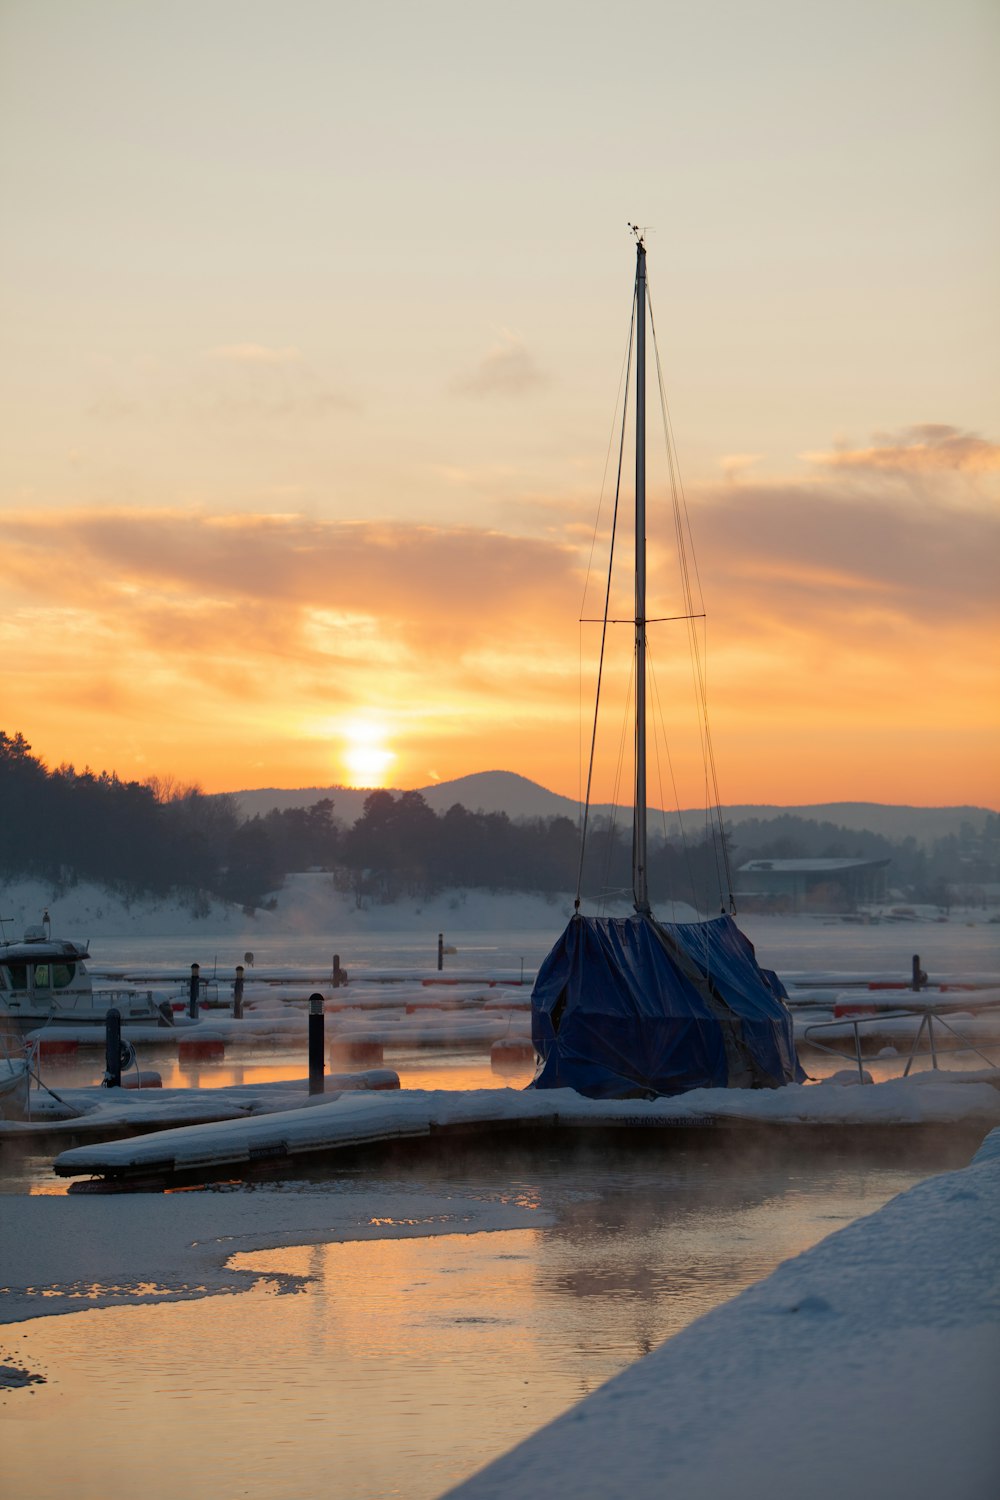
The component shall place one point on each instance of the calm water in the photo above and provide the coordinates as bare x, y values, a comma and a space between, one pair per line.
395, 1367
402, 1365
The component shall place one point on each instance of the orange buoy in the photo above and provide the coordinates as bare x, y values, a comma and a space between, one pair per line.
52, 1046
201, 1049
511, 1054
359, 1050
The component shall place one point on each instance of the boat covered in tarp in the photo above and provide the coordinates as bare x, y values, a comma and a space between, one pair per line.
629, 1007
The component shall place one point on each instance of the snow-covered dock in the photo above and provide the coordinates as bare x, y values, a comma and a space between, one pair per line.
408, 1014
364, 1119
110, 1112
869, 1363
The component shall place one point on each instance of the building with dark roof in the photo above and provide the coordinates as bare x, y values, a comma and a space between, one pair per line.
810, 884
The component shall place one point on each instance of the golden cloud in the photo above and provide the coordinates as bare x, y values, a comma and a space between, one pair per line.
198, 635
929, 448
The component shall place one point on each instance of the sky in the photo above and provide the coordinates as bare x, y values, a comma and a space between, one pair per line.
314, 318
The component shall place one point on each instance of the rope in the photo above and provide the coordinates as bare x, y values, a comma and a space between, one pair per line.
622, 382
604, 626
682, 528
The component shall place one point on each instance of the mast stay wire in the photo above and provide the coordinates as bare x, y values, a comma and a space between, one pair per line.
661, 720
606, 889
607, 604
622, 382
682, 527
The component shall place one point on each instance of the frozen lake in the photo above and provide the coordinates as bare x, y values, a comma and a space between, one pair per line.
396, 1365
963, 943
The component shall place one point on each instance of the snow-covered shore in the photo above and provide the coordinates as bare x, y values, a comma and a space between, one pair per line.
870, 1363
307, 903
514, 930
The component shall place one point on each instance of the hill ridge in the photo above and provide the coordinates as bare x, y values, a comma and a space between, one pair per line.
520, 797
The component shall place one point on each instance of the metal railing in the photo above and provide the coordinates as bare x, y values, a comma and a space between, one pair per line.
927, 1021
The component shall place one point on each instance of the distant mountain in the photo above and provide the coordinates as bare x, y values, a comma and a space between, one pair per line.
486, 791
505, 791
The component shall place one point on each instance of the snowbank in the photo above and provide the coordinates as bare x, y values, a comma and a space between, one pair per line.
307, 903
868, 1364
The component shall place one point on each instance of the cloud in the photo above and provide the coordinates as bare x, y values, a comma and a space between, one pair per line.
507, 370
841, 633
186, 582
254, 354
735, 465
812, 553
927, 449
232, 386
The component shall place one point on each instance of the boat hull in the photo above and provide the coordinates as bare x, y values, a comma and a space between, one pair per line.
14, 1083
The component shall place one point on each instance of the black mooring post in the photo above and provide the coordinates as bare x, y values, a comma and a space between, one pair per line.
440, 950
316, 1021
113, 1049
193, 991
336, 971
238, 994
919, 977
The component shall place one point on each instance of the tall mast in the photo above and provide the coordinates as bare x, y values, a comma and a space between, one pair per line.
640, 889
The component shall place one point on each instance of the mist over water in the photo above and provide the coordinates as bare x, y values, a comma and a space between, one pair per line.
396, 1366
788, 944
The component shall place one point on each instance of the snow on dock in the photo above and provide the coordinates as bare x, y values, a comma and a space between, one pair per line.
868, 1363
103, 1112
360, 1119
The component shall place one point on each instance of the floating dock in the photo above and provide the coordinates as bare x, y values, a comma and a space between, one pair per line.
329, 1127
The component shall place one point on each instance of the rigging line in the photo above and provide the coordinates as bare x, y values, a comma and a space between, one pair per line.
607, 600
623, 740
622, 380
656, 742
685, 847
682, 524
657, 620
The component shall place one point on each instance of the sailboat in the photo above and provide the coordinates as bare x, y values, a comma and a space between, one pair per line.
632, 1007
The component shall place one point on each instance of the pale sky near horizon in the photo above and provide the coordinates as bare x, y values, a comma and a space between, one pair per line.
314, 318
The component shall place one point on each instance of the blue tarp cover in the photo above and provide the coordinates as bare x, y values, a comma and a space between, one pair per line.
628, 1006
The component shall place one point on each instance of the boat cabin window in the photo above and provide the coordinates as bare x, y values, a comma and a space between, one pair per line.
53, 976
46, 976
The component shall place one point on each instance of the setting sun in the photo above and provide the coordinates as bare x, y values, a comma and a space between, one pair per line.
366, 757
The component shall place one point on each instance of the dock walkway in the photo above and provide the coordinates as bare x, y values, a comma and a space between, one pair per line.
364, 1119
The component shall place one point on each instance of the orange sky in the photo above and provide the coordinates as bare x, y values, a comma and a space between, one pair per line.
852, 639
309, 392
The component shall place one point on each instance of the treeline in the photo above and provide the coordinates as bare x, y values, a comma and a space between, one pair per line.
147, 838
156, 838
401, 847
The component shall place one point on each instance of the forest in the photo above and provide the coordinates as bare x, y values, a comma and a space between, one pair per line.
157, 838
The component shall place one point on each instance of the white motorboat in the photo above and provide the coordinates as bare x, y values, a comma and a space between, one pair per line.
14, 1081
44, 979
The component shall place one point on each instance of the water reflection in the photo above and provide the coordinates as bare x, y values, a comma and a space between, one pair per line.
395, 1366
